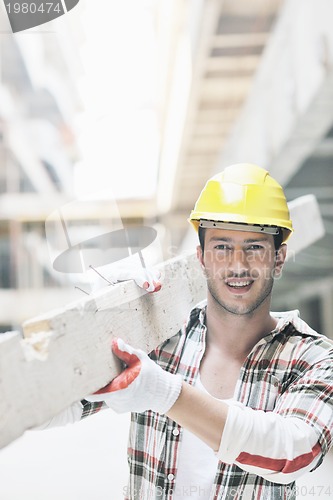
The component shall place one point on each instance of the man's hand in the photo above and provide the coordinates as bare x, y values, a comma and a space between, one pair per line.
143, 385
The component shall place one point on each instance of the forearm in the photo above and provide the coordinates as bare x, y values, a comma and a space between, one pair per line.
201, 414
276, 448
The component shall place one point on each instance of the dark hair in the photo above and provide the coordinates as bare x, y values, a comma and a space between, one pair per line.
201, 234
277, 238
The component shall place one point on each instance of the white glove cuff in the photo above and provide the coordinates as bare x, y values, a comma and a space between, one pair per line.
70, 415
168, 388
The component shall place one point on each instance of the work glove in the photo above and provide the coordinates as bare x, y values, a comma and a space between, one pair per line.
143, 385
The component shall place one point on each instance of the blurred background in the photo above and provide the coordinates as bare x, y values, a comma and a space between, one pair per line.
140, 102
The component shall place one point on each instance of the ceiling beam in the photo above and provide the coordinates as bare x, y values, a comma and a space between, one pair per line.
241, 63
239, 40
231, 88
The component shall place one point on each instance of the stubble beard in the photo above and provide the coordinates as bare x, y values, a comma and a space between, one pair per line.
240, 309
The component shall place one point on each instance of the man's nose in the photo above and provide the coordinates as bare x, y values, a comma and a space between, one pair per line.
238, 262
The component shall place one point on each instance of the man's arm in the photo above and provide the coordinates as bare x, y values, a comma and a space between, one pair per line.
201, 414
280, 445
263, 443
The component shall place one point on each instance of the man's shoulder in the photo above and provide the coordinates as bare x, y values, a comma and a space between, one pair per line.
292, 322
292, 319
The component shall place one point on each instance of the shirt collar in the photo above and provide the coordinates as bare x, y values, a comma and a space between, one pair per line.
284, 318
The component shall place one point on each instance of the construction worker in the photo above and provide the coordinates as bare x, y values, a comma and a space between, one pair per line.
239, 403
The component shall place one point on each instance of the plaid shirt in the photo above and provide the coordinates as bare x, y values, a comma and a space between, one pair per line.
288, 376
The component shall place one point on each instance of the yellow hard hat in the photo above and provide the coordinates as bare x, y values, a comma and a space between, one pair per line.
243, 194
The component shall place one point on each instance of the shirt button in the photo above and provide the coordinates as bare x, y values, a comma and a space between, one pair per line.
175, 432
171, 477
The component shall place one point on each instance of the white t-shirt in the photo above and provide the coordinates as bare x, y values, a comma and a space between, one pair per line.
197, 464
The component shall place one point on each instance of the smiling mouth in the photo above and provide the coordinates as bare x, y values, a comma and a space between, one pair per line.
239, 284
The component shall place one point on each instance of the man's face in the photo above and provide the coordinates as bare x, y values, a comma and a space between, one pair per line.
240, 268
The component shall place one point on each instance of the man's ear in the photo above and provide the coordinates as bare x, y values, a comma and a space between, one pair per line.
280, 258
200, 256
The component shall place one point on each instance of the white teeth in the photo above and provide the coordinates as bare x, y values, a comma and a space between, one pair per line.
239, 284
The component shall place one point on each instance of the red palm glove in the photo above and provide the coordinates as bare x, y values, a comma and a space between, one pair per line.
143, 385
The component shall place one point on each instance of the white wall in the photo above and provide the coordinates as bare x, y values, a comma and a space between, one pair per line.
84, 461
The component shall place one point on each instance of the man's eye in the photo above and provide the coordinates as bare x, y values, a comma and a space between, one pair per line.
255, 247
222, 247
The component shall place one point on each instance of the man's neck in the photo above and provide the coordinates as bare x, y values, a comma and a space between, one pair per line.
236, 334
